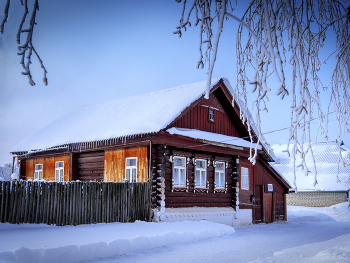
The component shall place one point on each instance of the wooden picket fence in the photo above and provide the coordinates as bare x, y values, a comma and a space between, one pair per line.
73, 203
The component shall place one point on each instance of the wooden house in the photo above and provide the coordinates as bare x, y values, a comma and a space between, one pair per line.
193, 151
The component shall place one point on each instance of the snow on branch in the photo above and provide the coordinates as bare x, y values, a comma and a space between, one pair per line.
272, 34
27, 49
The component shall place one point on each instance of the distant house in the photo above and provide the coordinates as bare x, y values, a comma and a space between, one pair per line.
333, 178
189, 148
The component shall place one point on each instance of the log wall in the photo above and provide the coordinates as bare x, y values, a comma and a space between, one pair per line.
190, 196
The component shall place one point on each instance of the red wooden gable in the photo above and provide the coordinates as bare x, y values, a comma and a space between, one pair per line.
226, 117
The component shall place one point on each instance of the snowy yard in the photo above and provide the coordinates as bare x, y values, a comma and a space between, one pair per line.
310, 235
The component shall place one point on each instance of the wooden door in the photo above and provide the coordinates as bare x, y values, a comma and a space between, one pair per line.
257, 207
267, 208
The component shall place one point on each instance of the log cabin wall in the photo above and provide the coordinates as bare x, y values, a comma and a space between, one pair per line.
114, 163
163, 188
88, 166
198, 118
22, 169
48, 163
158, 169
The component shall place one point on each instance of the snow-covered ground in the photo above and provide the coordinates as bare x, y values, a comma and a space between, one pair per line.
309, 235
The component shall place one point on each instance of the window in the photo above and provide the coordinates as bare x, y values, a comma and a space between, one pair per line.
59, 170
179, 171
270, 187
38, 173
220, 174
245, 178
211, 115
131, 169
201, 173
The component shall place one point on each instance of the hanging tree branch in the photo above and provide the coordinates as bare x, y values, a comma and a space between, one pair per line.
268, 24
27, 49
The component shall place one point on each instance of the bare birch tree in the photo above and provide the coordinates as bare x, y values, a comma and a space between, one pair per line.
272, 33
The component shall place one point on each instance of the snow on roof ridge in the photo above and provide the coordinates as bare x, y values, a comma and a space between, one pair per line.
212, 137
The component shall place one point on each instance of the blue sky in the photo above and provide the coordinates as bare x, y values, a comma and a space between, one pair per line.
95, 51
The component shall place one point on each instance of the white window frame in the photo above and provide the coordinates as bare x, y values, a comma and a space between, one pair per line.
59, 171
211, 114
200, 183
178, 174
220, 174
270, 187
244, 178
130, 168
38, 171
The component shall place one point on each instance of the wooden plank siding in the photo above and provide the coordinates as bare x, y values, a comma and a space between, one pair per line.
114, 163
198, 118
269, 206
48, 167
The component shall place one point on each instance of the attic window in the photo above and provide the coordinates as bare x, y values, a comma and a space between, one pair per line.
211, 115
270, 187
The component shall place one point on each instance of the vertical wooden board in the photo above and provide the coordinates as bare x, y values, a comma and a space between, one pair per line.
142, 162
29, 169
26, 213
114, 165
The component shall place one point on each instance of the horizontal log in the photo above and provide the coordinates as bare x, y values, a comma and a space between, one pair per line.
90, 178
97, 171
99, 165
91, 159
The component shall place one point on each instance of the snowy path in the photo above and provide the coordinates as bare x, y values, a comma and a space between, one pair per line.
310, 235
282, 242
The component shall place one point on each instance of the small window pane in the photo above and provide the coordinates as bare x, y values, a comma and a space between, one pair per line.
176, 176
127, 174
200, 164
182, 176
131, 162
197, 178
202, 178
220, 166
179, 161
222, 181
134, 174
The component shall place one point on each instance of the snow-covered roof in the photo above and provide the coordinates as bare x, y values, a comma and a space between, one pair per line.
136, 115
326, 159
124, 117
212, 137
